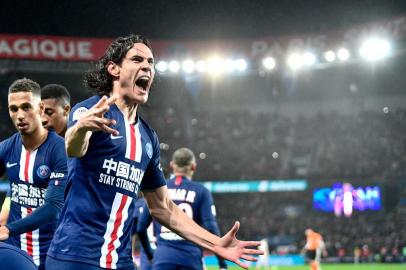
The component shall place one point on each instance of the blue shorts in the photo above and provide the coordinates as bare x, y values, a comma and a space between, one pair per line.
13, 258
55, 264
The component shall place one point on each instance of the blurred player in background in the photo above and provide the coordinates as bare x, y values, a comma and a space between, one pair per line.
36, 165
173, 252
114, 154
146, 237
263, 260
55, 99
314, 247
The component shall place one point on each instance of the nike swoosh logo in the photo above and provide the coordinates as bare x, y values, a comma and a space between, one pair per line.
9, 165
115, 137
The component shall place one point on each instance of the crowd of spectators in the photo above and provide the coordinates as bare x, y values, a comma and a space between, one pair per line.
237, 145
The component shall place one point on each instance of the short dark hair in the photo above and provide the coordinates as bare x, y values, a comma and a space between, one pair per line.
100, 79
25, 85
183, 157
56, 91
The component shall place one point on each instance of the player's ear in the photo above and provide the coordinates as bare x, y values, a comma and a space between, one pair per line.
41, 107
113, 69
171, 165
66, 110
193, 167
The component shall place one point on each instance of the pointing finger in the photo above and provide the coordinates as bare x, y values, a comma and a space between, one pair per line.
112, 99
100, 102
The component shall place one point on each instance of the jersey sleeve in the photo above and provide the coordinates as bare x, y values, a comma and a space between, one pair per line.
2, 158
153, 177
77, 111
59, 169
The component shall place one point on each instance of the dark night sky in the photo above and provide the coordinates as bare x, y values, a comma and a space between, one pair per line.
174, 19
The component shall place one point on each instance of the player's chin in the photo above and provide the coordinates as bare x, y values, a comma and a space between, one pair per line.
142, 99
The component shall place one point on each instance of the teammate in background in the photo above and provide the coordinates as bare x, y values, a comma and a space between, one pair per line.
56, 106
146, 237
56, 100
263, 260
174, 252
36, 165
114, 153
314, 247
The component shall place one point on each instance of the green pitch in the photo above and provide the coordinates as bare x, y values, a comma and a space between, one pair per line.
329, 267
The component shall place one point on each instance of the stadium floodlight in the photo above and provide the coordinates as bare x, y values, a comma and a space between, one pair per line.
229, 65
188, 66
201, 66
309, 58
375, 49
215, 66
174, 66
330, 56
269, 63
343, 54
161, 66
295, 61
241, 64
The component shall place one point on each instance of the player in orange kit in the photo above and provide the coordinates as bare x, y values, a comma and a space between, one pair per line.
314, 246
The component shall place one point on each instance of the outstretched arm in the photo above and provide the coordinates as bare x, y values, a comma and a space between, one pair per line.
172, 217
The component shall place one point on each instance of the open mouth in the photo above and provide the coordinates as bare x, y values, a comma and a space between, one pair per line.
21, 125
143, 82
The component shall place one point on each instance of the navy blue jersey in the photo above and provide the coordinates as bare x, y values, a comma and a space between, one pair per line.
196, 201
30, 173
96, 221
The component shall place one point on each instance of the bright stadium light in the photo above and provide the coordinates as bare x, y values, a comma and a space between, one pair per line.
309, 59
241, 64
229, 65
330, 56
375, 49
215, 66
188, 66
201, 66
174, 66
269, 63
343, 54
295, 61
161, 66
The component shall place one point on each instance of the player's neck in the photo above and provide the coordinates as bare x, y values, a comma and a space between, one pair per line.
34, 140
182, 174
129, 110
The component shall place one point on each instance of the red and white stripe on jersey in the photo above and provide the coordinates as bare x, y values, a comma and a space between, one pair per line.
30, 240
133, 149
27, 160
114, 230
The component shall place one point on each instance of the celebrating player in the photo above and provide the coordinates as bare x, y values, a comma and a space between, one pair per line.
114, 154
35, 162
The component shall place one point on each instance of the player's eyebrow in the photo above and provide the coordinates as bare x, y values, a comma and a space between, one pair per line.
27, 104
